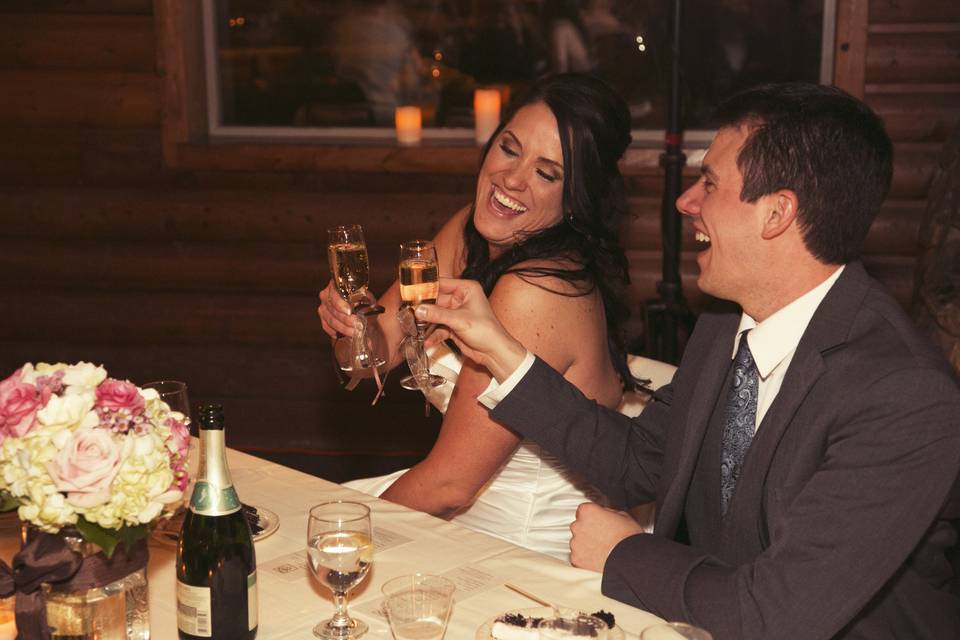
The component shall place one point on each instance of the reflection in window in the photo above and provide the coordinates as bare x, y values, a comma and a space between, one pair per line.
349, 63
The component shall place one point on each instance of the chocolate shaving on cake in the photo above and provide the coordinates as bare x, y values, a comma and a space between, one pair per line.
606, 616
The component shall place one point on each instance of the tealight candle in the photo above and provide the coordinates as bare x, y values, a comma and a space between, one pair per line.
486, 113
409, 122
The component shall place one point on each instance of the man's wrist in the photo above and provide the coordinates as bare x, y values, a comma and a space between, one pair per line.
506, 359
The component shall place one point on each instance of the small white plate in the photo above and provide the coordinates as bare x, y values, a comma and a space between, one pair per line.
483, 633
167, 532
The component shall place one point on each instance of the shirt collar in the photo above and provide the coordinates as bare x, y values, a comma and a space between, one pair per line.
776, 337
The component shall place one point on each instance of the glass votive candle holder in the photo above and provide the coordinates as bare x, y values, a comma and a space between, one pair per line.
409, 124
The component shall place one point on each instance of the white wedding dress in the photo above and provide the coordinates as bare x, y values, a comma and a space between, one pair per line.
532, 499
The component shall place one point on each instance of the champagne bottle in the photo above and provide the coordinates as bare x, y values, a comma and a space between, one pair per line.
216, 563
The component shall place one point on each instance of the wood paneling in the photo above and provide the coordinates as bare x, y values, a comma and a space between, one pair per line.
69, 156
88, 42
102, 7
915, 56
96, 99
917, 116
905, 11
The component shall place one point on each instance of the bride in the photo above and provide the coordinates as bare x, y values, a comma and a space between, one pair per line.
541, 237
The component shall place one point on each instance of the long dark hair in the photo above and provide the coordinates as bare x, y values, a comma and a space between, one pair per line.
594, 123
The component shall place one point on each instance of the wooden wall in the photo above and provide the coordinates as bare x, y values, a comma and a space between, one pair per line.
128, 240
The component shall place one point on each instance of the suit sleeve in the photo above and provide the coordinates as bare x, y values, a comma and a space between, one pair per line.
621, 456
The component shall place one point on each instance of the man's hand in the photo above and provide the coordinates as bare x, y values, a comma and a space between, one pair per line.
463, 313
596, 531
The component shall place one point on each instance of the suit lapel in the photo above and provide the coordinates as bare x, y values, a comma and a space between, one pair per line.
828, 329
708, 384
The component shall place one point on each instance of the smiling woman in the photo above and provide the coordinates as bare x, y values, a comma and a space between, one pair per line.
541, 236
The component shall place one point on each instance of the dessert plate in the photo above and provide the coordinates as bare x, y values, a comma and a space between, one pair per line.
167, 532
483, 633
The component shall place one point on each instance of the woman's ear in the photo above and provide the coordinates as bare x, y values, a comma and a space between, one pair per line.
781, 214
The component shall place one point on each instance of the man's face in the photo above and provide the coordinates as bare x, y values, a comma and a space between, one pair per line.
728, 228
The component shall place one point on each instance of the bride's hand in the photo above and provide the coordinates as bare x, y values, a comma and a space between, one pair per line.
334, 313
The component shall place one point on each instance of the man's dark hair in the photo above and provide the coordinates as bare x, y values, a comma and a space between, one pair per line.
828, 147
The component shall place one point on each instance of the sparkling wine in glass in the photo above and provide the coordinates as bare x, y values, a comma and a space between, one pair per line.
419, 284
340, 551
349, 264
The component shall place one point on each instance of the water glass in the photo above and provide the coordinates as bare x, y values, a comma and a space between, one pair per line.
675, 631
418, 606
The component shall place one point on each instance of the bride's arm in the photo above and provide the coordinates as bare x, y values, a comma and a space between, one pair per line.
471, 447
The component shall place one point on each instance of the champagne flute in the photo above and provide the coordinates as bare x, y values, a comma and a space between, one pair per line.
350, 270
349, 265
339, 551
419, 283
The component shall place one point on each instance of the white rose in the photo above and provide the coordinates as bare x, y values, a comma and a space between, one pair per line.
69, 412
84, 376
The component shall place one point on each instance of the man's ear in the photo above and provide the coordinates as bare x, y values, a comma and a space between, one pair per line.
781, 213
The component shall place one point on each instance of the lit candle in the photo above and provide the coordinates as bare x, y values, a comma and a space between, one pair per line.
409, 123
486, 113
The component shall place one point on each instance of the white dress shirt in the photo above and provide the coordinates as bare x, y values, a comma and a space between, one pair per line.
772, 343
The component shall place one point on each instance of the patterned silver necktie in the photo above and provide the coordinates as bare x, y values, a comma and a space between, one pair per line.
740, 421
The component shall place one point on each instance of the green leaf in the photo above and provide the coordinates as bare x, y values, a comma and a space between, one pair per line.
108, 539
7, 502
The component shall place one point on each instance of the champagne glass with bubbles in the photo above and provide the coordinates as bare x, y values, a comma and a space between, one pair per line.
340, 551
419, 283
350, 270
349, 265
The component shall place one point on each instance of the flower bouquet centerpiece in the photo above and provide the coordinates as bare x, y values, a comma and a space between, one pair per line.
88, 462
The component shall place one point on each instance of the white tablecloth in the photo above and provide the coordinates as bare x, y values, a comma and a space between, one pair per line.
291, 603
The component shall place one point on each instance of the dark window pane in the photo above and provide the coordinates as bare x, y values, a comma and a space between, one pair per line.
349, 63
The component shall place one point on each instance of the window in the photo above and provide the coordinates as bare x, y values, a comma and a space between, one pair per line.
303, 68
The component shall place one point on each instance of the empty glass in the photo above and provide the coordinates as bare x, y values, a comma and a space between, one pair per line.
418, 606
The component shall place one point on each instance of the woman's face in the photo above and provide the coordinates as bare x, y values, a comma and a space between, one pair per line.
520, 186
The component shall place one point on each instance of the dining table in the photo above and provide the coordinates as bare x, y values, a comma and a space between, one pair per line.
291, 602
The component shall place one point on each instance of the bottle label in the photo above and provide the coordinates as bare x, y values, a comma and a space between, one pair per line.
193, 610
253, 605
210, 500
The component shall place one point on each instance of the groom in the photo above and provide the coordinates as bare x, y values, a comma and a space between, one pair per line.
805, 458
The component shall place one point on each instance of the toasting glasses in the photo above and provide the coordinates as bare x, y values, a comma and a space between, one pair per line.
350, 270
419, 283
340, 551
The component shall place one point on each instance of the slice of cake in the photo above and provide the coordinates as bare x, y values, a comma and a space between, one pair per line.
515, 626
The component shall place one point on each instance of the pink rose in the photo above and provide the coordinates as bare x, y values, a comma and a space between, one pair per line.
86, 466
119, 394
179, 436
179, 444
19, 403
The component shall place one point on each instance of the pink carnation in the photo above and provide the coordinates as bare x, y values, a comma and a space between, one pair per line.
115, 395
19, 403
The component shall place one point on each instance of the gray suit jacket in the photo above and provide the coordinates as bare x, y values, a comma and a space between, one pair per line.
843, 511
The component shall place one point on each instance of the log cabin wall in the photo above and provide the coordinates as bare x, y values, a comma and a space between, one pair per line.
129, 241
